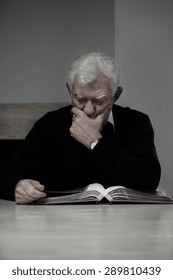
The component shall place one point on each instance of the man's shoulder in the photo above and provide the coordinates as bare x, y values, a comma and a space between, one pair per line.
60, 110
56, 113
127, 120
128, 113
54, 118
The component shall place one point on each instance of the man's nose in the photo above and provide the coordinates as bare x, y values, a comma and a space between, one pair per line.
89, 108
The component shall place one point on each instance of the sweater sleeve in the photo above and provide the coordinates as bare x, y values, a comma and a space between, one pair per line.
132, 163
24, 162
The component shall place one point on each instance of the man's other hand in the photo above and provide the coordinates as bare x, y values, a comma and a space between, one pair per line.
28, 190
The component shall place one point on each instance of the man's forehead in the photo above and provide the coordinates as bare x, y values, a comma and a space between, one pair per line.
98, 93
97, 84
97, 77
98, 96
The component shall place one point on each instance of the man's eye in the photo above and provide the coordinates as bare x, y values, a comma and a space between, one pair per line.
100, 102
82, 100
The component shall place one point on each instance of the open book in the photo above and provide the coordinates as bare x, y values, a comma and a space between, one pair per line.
96, 193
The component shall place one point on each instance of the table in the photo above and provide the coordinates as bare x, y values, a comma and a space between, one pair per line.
71, 232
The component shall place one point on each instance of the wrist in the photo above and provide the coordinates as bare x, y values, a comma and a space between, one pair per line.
94, 143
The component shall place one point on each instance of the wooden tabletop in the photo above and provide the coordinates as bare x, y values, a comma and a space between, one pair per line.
86, 232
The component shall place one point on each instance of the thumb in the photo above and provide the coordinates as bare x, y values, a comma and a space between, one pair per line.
37, 185
104, 115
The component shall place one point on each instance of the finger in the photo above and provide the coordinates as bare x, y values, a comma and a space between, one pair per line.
34, 194
22, 196
22, 200
37, 185
104, 115
76, 111
22, 193
106, 109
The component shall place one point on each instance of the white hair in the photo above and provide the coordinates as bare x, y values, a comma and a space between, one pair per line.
87, 66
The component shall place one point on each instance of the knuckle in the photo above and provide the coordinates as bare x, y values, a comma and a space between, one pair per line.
30, 190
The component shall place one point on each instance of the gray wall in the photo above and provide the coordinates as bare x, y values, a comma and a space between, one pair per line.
38, 40
144, 50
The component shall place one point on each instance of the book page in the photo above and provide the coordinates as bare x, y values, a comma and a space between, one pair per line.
97, 190
113, 188
107, 193
91, 192
122, 193
111, 191
59, 199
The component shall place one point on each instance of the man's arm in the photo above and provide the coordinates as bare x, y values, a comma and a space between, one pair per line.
134, 163
24, 164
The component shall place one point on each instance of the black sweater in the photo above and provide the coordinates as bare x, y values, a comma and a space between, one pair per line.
50, 155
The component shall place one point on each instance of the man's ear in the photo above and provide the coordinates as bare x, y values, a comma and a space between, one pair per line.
68, 88
118, 92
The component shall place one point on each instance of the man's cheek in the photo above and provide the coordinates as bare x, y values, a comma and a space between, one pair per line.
106, 109
76, 104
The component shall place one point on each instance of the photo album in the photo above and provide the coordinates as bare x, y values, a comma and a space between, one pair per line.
96, 193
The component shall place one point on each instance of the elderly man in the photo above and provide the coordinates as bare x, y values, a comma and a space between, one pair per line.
92, 140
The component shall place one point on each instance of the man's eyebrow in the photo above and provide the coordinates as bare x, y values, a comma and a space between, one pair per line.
101, 96
78, 95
